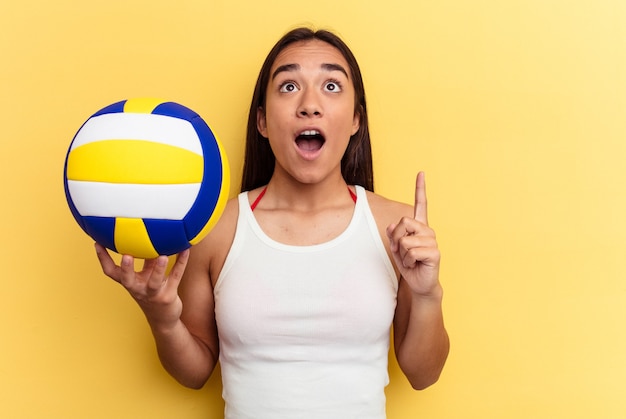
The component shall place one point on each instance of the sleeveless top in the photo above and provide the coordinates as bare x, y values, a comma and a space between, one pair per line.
304, 330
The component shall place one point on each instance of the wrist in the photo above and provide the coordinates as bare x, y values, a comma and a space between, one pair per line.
433, 295
163, 327
163, 317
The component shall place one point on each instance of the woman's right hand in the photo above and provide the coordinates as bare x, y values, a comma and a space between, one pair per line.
154, 289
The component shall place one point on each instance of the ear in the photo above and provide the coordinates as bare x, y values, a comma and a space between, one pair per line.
261, 123
356, 122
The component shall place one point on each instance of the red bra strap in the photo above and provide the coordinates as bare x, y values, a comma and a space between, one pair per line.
352, 195
258, 198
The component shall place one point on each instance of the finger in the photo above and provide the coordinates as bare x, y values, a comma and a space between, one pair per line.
416, 241
177, 269
166, 271
405, 228
181, 263
390, 235
127, 276
428, 256
395, 232
109, 267
421, 213
156, 268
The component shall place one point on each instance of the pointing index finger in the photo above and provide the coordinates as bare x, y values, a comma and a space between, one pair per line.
421, 212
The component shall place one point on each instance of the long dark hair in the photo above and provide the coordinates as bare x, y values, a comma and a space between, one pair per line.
356, 163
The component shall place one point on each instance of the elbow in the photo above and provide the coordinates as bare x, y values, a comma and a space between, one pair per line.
424, 374
194, 383
193, 375
422, 382
194, 379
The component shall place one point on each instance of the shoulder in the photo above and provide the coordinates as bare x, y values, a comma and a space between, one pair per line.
387, 211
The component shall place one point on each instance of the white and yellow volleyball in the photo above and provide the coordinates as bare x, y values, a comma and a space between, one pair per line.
145, 177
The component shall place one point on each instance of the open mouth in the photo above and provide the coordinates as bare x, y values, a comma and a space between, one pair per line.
310, 140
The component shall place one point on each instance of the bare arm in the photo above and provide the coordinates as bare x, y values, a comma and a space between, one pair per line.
179, 306
188, 357
420, 338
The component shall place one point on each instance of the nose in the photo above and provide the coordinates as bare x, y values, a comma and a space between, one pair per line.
310, 104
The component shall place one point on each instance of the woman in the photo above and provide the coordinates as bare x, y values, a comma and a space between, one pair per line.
296, 288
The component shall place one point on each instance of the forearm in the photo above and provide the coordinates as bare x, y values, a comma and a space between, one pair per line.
422, 347
187, 358
189, 354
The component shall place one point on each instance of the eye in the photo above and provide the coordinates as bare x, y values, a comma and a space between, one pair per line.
332, 86
287, 87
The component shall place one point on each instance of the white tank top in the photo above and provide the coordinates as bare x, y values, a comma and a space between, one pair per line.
304, 330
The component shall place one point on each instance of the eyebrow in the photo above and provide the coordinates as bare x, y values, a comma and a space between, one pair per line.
296, 67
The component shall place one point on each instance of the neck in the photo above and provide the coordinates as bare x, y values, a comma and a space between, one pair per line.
296, 195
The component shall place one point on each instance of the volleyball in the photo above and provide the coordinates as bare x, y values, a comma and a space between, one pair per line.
146, 177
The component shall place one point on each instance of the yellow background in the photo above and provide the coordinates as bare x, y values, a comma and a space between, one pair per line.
516, 109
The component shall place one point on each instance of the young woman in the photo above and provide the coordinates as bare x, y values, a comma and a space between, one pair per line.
295, 290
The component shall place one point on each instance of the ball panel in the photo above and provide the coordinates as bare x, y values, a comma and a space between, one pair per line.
210, 190
68, 196
215, 216
221, 201
135, 201
132, 161
175, 110
213, 184
101, 230
168, 236
113, 108
141, 105
134, 126
131, 238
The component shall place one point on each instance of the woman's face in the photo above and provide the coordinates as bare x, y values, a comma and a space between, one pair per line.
309, 112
